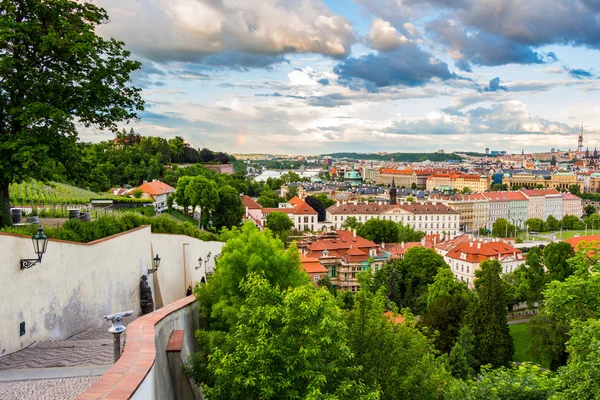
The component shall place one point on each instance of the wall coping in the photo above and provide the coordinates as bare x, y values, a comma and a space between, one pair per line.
104, 239
126, 375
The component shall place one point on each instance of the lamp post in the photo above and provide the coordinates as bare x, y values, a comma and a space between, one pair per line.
40, 244
156, 263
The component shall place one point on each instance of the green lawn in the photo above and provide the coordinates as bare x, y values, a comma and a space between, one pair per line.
570, 234
520, 334
179, 216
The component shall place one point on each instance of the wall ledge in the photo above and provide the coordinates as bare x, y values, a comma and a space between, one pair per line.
104, 239
125, 376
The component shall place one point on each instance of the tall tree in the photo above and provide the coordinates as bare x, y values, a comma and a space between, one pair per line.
229, 210
503, 228
204, 193
532, 277
56, 72
556, 256
181, 195
279, 222
379, 231
487, 318
317, 206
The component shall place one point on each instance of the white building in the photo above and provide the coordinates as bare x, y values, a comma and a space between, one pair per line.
431, 218
158, 192
544, 202
303, 215
571, 205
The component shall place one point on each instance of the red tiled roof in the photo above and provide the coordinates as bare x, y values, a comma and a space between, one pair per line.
311, 264
575, 241
569, 196
487, 250
397, 318
155, 188
296, 201
249, 202
302, 208
505, 196
539, 192
376, 208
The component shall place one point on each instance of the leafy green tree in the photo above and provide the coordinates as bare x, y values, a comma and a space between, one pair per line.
446, 284
512, 294
537, 224
292, 191
351, 223
379, 231
317, 206
246, 250
322, 197
444, 316
413, 186
572, 222
593, 220
548, 339
553, 223
589, 210
499, 187
524, 382
203, 193
532, 277
574, 189
269, 199
394, 358
279, 350
229, 210
137, 193
457, 360
181, 195
290, 177
406, 281
466, 190
556, 256
170, 200
407, 234
487, 317
279, 222
503, 228
56, 72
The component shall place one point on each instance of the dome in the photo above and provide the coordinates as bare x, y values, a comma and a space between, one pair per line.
506, 175
595, 175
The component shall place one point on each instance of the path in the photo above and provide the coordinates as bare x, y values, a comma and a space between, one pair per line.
518, 321
56, 370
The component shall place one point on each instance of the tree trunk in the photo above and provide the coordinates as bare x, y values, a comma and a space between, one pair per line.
200, 220
5, 218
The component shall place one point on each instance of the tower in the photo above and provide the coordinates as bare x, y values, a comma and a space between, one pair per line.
580, 142
393, 193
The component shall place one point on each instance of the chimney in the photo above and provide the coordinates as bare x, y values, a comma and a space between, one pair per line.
354, 232
402, 244
246, 211
478, 245
470, 244
434, 240
383, 245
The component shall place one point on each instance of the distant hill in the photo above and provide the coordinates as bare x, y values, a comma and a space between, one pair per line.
400, 157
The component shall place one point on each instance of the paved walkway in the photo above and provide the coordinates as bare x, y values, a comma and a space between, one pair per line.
56, 370
518, 321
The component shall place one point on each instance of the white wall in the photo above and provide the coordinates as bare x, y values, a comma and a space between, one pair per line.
76, 284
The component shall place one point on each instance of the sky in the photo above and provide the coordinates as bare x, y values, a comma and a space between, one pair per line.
322, 76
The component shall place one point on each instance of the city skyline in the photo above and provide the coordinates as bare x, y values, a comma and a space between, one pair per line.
335, 76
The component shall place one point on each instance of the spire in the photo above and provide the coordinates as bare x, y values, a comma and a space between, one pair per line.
393, 193
393, 183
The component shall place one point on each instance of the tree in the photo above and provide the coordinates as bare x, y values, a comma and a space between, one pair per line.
487, 317
537, 224
532, 277
553, 223
170, 202
229, 210
206, 155
406, 281
292, 191
137, 193
572, 222
269, 199
222, 158
279, 222
379, 231
503, 228
66, 75
499, 187
548, 338
446, 284
407, 234
589, 210
466, 190
317, 206
181, 196
444, 316
574, 189
203, 193
461, 359
276, 350
593, 221
556, 256
394, 357
350, 223
413, 186
322, 197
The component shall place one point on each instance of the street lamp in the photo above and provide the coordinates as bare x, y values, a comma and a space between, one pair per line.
156, 263
40, 243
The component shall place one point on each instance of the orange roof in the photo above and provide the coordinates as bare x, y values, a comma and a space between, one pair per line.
539, 192
303, 208
505, 196
575, 241
478, 251
569, 196
338, 246
311, 264
296, 201
156, 188
249, 202
397, 318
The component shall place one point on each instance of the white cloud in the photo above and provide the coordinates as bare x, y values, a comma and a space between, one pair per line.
384, 37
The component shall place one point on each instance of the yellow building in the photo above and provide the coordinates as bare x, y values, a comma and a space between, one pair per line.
458, 181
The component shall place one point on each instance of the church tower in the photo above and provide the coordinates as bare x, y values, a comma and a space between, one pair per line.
393, 193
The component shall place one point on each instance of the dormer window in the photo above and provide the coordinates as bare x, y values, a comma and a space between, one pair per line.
325, 253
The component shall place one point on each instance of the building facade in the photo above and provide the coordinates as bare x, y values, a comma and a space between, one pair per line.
475, 183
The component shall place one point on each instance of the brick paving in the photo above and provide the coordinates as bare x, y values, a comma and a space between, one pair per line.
46, 389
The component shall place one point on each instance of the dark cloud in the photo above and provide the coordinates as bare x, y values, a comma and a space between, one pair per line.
407, 66
324, 81
580, 73
495, 86
483, 49
145, 76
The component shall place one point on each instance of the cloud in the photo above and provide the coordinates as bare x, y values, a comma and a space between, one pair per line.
580, 73
482, 49
495, 86
408, 66
240, 33
384, 37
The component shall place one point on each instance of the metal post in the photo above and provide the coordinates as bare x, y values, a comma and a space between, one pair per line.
116, 346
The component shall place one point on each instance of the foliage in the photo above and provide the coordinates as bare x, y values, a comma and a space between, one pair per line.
487, 317
170, 200
279, 222
137, 193
269, 199
203, 193
229, 210
531, 277
246, 250
444, 315
537, 225
405, 281
68, 74
593, 221
548, 339
524, 382
556, 256
499, 187
292, 191
318, 206
394, 358
286, 343
36, 192
553, 223
446, 284
407, 234
503, 228
323, 198
572, 222
379, 231
589, 210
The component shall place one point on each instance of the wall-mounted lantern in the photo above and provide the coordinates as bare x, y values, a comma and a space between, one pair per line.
156, 263
201, 261
40, 244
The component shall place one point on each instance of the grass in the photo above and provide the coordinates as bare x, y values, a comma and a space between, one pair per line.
520, 335
179, 216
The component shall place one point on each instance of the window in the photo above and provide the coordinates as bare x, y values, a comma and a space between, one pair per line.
306, 220
467, 269
335, 218
316, 278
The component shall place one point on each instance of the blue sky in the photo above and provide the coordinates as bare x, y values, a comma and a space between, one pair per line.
313, 76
